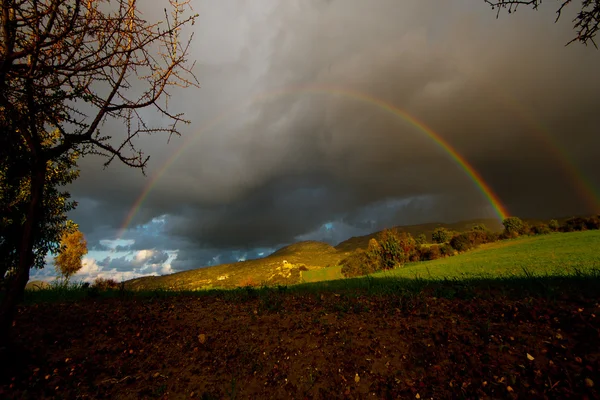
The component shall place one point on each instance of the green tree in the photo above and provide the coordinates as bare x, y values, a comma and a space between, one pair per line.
73, 247
441, 235
586, 23
480, 228
421, 239
554, 225
512, 226
14, 197
69, 66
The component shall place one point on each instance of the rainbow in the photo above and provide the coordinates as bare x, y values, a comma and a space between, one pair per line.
582, 185
584, 188
484, 188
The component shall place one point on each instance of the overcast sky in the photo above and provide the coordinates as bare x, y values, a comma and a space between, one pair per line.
264, 163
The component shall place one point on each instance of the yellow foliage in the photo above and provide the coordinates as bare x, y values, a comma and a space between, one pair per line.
72, 249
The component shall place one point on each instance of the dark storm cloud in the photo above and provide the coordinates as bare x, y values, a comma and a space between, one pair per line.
273, 170
193, 258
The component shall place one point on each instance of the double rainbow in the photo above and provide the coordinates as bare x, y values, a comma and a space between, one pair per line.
474, 176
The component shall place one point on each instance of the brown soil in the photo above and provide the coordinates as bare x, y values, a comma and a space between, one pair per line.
322, 346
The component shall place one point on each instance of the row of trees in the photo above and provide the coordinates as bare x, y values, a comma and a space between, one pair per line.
392, 248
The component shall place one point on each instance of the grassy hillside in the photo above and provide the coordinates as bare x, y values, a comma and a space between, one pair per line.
308, 261
361, 242
559, 253
281, 267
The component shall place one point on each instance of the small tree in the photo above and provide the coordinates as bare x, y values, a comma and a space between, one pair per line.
73, 247
513, 226
554, 225
480, 228
421, 239
441, 235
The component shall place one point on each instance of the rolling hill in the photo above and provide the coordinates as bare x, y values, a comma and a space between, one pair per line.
283, 266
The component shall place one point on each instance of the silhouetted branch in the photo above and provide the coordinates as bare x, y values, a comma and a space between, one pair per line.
586, 23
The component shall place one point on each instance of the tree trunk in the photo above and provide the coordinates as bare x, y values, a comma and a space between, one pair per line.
16, 289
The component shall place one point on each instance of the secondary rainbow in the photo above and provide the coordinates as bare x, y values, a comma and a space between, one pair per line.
582, 185
499, 209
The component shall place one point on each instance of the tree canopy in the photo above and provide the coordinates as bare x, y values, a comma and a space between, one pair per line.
73, 247
14, 200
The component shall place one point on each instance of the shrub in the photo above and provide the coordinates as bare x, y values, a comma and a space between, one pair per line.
432, 252
441, 235
446, 250
480, 227
513, 226
593, 222
416, 256
105, 284
408, 244
493, 236
302, 267
554, 225
461, 242
467, 240
396, 248
358, 263
374, 249
421, 239
525, 230
575, 224
540, 229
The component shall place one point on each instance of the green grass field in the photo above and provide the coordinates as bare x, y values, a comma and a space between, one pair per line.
522, 263
554, 254
323, 274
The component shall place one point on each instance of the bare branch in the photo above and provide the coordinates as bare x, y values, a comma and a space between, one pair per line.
72, 65
586, 23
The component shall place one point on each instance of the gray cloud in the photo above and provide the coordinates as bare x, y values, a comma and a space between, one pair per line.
257, 170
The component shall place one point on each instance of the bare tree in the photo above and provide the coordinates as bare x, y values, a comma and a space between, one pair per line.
70, 66
586, 23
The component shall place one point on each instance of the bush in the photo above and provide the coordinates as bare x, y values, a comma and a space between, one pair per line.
395, 248
470, 239
540, 229
446, 250
421, 239
554, 225
461, 242
429, 253
513, 226
105, 284
358, 263
441, 235
574, 224
391, 253
593, 222
525, 229
480, 227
